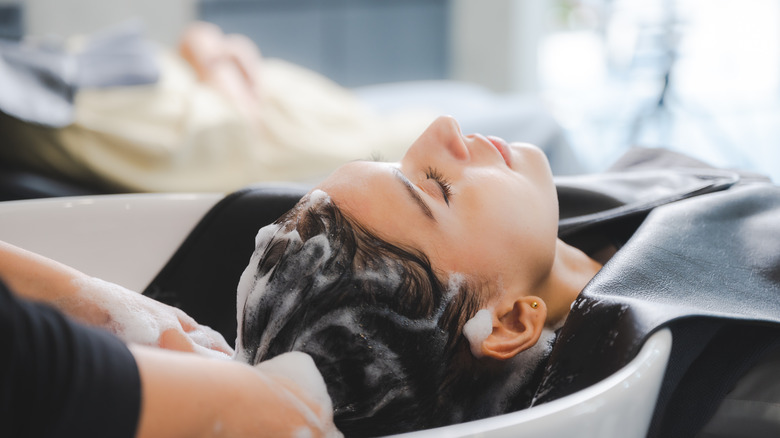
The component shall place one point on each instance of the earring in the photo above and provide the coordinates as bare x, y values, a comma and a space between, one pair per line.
534, 305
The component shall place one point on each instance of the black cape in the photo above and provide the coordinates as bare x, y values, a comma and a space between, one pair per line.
699, 253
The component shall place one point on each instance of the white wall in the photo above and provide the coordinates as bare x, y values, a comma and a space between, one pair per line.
494, 42
164, 19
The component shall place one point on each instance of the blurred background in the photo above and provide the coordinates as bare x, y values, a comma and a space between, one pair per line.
697, 76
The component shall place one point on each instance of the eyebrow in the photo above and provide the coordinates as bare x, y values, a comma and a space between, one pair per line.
413, 194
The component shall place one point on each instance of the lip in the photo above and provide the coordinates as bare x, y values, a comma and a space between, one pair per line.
503, 148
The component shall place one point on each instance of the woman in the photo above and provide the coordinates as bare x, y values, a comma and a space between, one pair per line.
427, 291
444, 255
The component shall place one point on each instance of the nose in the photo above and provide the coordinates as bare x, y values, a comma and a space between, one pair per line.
445, 132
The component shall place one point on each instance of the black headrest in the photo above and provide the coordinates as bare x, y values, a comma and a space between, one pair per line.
202, 276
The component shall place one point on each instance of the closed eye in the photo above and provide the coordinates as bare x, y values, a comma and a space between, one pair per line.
444, 185
411, 190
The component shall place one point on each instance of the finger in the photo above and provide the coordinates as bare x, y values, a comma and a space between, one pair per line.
212, 353
187, 323
209, 338
202, 335
174, 339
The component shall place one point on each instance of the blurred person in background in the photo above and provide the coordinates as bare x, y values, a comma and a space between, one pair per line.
212, 115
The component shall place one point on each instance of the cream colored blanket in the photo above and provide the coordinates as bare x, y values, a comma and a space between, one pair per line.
181, 135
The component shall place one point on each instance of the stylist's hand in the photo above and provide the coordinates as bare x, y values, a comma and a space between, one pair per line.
133, 317
298, 379
283, 397
138, 319
185, 334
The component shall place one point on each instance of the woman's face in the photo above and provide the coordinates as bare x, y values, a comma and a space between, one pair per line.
473, 204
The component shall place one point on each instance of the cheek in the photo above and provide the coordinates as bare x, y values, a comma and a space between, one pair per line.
504, 222
484, 242
524, 233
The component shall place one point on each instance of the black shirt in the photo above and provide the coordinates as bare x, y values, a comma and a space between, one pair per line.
63, 379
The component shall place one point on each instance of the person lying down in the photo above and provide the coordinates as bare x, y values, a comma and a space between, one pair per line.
405, 260
442, 288
431, 291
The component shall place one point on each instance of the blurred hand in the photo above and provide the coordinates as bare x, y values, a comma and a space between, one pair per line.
231, 64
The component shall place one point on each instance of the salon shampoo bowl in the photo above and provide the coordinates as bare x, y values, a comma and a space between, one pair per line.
126, 239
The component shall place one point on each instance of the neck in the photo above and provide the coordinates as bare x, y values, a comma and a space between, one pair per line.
571, 271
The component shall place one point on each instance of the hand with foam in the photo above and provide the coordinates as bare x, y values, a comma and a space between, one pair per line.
300, 382
138, 319
131, 316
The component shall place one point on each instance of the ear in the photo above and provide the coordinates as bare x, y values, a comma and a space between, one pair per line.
516, 327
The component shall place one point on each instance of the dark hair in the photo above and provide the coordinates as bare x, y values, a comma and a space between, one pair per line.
382, 327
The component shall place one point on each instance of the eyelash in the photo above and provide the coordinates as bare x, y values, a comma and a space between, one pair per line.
446, 188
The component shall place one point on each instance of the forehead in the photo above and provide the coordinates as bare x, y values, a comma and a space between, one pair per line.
352, 180
359, 190
370, 194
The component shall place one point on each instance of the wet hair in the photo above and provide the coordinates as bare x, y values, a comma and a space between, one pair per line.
384, 329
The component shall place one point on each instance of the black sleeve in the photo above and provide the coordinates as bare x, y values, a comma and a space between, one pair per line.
63, 379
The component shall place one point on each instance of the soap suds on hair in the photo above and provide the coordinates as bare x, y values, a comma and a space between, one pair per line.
252, 289
477, 329
317, 197
252, 286
454, 283
264, 234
